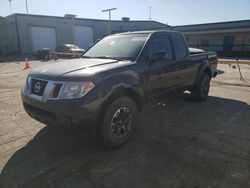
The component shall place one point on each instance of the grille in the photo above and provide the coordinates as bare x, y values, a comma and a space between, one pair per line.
38, 86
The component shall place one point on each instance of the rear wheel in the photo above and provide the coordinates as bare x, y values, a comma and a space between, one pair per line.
118, 123
201, 89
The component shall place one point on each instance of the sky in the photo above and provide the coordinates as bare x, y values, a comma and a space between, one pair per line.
172, 12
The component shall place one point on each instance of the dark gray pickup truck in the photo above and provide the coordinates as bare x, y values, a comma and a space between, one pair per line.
108, 85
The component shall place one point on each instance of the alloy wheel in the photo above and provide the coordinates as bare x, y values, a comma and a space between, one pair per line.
121, 122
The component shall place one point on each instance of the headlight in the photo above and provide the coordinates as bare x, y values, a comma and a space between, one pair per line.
74, 90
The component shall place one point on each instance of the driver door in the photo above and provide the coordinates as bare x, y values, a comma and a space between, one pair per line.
159, 71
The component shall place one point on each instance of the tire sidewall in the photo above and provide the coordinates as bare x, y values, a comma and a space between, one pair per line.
205, 76
105, 132
197, 91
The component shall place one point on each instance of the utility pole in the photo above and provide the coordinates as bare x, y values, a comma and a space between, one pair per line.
10, 6
109, 25
72, 17
27, 23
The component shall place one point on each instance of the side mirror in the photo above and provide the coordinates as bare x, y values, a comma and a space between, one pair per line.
159, 56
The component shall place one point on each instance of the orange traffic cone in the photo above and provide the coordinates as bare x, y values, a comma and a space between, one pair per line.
27, 65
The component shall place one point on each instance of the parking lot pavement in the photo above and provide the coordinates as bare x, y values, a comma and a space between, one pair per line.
177, 143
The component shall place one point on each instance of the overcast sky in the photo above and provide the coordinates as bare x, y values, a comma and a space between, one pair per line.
173, 12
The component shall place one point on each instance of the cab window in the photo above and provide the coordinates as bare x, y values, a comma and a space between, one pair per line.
161, 44
180, 47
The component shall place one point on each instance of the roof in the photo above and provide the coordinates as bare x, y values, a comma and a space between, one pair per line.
147, 32
214, 26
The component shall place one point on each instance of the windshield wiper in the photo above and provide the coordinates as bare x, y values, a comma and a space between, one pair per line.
105, 57
97, 57
115, 58
86, 56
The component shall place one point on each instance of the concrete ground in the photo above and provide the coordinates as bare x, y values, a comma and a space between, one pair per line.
178, 143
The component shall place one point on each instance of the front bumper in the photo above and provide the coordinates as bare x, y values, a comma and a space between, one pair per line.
70, 113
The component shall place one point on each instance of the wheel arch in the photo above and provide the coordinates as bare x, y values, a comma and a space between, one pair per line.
204, 67
123, 91
208, 70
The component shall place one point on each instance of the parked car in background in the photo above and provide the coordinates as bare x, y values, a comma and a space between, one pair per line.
43, 53
69, 50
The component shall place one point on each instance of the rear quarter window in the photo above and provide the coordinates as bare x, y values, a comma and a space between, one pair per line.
180, 47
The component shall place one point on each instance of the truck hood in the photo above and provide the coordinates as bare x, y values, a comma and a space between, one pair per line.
75, 66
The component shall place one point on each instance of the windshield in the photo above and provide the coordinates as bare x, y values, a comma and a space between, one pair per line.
118, 47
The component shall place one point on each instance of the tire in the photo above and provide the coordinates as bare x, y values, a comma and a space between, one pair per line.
118, 123
201, 89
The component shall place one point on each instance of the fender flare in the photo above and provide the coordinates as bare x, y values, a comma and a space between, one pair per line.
117, 86
204, 65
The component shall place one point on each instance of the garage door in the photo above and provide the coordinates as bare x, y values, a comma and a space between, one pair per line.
83, 36
43, 37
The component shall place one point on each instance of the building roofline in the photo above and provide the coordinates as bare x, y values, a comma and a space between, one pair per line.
183, 28
214, 26
89, 19
207, 29
213, 23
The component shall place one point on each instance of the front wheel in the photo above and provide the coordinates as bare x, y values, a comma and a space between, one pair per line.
118, 123
201, 89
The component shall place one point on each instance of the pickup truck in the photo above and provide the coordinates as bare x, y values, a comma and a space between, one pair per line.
107, 87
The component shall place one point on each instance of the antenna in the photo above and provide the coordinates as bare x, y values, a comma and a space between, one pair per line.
10, 6
27, 9
150, 8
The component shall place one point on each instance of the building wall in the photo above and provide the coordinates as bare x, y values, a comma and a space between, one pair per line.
8, 35
64, 31
122, 26
235, 25
227, 38
15, 35
241, 41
